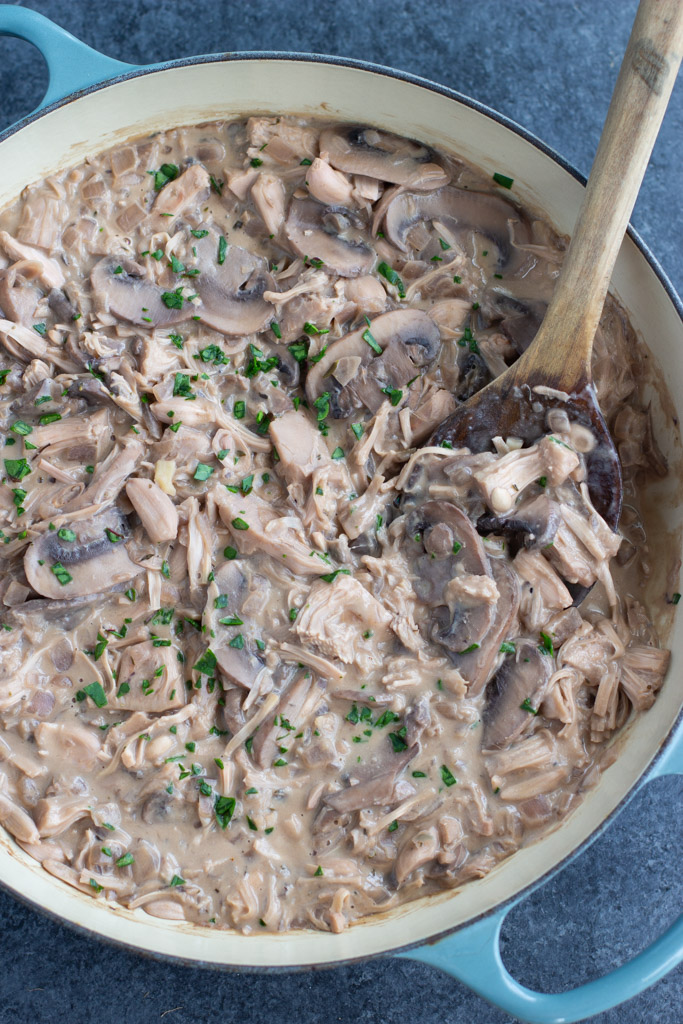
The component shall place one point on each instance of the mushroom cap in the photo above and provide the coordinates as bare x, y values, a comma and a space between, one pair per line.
437, 527
94, 561
411, 328
130, 295
232, 291
466, 213
533, 524
319, 231
358, 149
523, 676
478, 666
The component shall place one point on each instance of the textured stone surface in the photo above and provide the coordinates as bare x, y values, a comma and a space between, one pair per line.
551, 66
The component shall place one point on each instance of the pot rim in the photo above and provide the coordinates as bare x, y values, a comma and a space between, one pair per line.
483, 109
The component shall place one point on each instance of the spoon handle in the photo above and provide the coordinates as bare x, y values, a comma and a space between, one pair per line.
564, 342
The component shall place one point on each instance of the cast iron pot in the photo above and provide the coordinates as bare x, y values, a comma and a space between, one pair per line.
93, 102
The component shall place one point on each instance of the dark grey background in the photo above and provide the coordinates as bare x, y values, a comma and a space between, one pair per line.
550, 65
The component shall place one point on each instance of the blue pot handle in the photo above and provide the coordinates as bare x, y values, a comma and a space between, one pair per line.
72, 65
473, 956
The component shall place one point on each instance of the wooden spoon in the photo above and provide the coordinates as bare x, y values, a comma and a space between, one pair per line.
559, 358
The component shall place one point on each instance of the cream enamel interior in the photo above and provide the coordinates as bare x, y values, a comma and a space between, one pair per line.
207, 91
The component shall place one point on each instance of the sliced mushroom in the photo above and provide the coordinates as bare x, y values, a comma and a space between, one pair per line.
378, 154
533, 524
467, 214
521, 318
320, 232
419, 849
121, 287
522, 679
453, 554
478, 666
231, 292
96, 560
411, 329
375, 788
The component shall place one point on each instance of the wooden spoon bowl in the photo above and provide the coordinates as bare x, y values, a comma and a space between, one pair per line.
555, 371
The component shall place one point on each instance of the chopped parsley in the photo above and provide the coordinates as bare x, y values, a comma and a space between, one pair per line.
94, 691
62, 575
546, 645
526, 706
447, 776
181, 385
17, 469
207, 663
392, 277
166, 173
503, 180
202, 472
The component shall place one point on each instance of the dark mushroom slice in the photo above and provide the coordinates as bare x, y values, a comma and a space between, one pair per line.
121, 287
352, 362
477, 666
452, 549
94, 561
231, 292
467, 214
376, 788
518, 319
531, 525
515, 694
474, 375
322, 233
65, 615
265, 746
358, 149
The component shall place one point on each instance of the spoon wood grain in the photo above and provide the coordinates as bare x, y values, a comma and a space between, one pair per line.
559, 358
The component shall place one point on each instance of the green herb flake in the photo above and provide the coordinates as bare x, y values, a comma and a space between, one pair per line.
240, 524
393, 278
181, 385
202, 472
124, 861
546, 645
398, 741
507, 648
224, 808
21, 428
17, 469
62, 575
394, 394
330, 577
207, 663
174, 299
526, 706
503, 180
447, 776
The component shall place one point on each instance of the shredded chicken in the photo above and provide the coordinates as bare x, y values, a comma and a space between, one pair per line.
265, 662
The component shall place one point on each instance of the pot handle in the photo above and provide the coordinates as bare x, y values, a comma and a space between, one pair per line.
72, 65
473, 955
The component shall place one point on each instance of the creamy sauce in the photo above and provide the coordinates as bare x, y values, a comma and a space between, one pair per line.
268, 658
